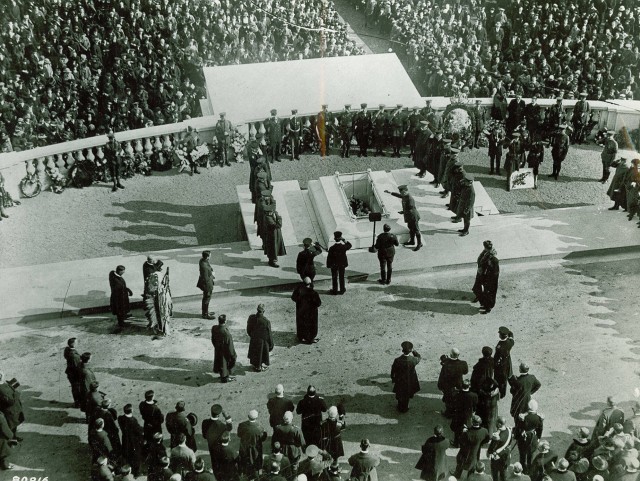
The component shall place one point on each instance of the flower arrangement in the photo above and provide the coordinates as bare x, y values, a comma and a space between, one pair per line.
238, 144
213, 148
128, 166
58, 181
200, 155
141, 163
181, 156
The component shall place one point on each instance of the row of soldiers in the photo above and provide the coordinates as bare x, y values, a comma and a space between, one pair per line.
379, 129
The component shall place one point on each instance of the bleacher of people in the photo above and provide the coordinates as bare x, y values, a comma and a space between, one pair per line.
71, 69
544, 47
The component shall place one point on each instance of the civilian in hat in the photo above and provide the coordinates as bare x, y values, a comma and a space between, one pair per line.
206, 281
581, 446
177, 423
609, 416
362, 125
152, 418
580, 119
72, 371
380, 121
630, 472
522, 388
433, 461
251, 435
273, 240
404, 377
290, 438
182, 458
337, 261
261, 339
132, 440
561, 472
466, 203
273, 126
293, 128
119, 295
559, 150
450, 379
528, 432
113, 160
517, 473
223, 131
411, 216
385, 246
471, 440
465, 404
599, 468
305, 267
331, 433
345, 129
224, 351
608, 155
307, 302
310, 408
214, 427
363, 464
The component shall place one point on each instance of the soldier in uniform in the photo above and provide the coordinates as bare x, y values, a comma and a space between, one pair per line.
380, 121
608, 155
305, 266
190, 143
404, 377
466, 204
396, 128
555, 116
362, 128
223, 132
294, 127
266, 198
502, 358
559, 150
535, 158
114, 161
323, 130
496, 141
580, 118
273, 241
528, 433
345, 125
512, 160
385, 245
273, 126
477, 123
411, 216
413, 127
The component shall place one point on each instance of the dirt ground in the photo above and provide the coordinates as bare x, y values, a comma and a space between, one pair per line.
575, 324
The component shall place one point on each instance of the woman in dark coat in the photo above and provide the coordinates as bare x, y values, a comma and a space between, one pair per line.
261, 344
119, 295
433, 462
307, 302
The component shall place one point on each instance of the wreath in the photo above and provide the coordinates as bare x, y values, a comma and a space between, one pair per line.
30, 185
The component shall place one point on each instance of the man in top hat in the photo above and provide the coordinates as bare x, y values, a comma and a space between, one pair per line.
294, 127
223, 131
337, 262
528, 432
404, 377
307, 302
380, 122
608, 155
273, 240
305, 267
411, 216
466, 203
362, 128
580, 118
345, 129
471, 440
324, 128
522, 388
363, 464
496, 137
559, 150
385, 246
206, 281
273, 126
114, 160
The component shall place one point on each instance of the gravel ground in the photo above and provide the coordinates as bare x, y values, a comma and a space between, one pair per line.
170, 210
563, 317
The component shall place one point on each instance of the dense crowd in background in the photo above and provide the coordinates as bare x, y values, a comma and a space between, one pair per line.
536, 46
76, 68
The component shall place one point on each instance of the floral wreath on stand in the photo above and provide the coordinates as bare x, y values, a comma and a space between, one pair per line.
238, 144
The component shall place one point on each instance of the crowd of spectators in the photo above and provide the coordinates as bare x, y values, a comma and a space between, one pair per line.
543, 47
76, 68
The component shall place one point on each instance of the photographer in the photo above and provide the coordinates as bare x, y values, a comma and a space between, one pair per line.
11, 405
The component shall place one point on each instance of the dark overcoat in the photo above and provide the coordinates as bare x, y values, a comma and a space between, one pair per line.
307, 302
261, 343
119, 294
273, 240
433, 462
225, 353
404, 377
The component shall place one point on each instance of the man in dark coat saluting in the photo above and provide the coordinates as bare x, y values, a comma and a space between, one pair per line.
404, 377
224, 351
119, 295
337, 262
304, 263
261, 343
307, 302
433, 462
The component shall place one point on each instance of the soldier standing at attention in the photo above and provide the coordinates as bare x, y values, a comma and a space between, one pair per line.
293, 134
346, 131
608, 155
380, 121
411, 216
274, 136
362, 128
404, 377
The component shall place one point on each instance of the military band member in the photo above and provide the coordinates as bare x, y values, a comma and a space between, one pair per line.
294, 127
223, 132
411, 216
559, 150
362, 129
345, 126
380, 121
273, 126
396, 129
323, 130
580, 118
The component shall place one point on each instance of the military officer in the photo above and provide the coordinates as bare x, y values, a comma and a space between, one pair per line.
555, 116
477, 122
362, 128
580, 118
273, 126
608, 155
413, 127
396, 128
190, 143
514, 154
294, 127
528, 432
380, 121
345, 126
323, 130
114, 161
559, 150
304, 263
411, 216
223, 135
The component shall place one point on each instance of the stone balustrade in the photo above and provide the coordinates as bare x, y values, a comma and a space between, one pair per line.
14, 165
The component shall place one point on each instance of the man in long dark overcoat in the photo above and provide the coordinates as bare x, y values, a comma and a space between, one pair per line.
119, 295
404, 377
522, 387
224, 351
433, 462
307, 302
261, 343
206, 281
273, 240
471, 440
337, 261
132, 439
